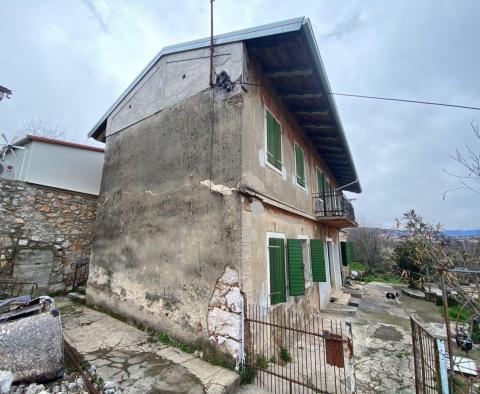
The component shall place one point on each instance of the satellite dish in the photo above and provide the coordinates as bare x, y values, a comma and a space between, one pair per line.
8, 147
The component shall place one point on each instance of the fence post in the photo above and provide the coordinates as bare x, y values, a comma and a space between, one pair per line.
442, 366
349, 361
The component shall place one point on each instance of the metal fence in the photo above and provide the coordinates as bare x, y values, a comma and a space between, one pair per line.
11, 287
426, 359
333, 204
79, 274
295, 353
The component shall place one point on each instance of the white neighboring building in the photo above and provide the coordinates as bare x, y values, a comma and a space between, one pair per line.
55, 163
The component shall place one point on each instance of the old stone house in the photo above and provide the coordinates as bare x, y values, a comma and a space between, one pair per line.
217, 195
48, 199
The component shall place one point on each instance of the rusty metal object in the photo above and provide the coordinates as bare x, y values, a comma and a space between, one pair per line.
31, 341
334, 350
10, 287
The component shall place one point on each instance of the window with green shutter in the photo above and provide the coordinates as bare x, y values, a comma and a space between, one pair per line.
300, 165
343, 252
274, 141
349, 252
296, 277
321, 188
317, 257
276, 253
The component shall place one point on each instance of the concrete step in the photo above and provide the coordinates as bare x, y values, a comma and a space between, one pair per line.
353, 292
77, 297
340, 298
342, 310
81, 290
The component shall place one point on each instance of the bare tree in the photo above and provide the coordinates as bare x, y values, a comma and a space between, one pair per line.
367, 244
470, 161
39, 126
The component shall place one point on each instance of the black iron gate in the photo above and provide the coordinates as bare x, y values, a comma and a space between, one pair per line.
293, 353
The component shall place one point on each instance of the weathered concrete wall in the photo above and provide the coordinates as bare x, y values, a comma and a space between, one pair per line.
172, 79
282, 189
168, 221
256, 223
256, 172
43, 231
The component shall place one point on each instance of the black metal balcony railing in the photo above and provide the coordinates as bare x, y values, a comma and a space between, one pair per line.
332, 205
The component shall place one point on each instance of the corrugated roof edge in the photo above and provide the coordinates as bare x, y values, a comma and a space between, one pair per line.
310, 37
289, 25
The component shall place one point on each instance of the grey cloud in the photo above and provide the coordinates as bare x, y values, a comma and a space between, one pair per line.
67, 64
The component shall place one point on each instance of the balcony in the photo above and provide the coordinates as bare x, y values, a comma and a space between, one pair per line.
334, 209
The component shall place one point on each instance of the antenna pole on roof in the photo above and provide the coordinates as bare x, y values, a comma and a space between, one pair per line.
211, 43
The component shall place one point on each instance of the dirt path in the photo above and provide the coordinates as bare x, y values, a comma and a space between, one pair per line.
382, 343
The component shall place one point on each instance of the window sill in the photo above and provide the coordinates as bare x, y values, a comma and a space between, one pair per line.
273, 167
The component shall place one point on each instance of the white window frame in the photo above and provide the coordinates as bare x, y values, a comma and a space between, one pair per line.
309, 280
295, 144
265, 110
327, 260
284, 237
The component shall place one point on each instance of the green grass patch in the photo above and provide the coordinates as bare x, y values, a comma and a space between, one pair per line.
454, 311
285, 355
261, 362
246, 375
357, 266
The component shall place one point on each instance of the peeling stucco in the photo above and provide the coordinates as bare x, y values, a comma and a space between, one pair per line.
222, 189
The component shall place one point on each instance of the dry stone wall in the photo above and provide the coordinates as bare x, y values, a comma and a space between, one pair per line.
43, 232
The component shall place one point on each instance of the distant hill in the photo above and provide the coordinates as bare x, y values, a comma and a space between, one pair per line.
462, 233
447, 233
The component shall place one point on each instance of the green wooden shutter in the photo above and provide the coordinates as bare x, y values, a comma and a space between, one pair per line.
343, 252
274, 141
349, 252
296, 270
278, 144
270, 139
300, 165
276, 251
318, 260
320, 182
321, 187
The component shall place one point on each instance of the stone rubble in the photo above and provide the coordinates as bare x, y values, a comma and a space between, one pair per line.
70, 384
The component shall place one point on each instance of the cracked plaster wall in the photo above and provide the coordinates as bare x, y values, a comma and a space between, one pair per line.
168, 223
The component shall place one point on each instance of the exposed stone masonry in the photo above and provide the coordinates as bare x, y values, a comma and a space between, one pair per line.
43, 232
225, 313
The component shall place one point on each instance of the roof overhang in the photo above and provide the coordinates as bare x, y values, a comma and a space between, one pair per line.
290, 58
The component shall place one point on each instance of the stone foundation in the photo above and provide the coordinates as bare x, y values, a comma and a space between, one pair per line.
43, 231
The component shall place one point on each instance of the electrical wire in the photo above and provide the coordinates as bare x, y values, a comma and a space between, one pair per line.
307, 91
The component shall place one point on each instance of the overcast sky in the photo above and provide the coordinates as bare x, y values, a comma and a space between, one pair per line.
68, 60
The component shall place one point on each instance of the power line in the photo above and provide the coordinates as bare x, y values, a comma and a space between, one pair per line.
307, 91
405, 100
